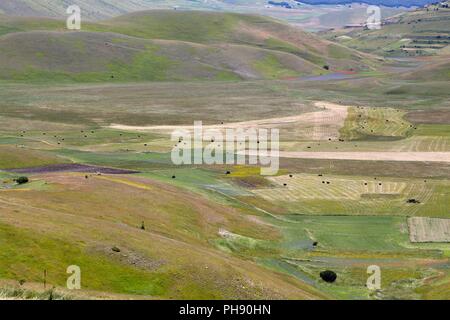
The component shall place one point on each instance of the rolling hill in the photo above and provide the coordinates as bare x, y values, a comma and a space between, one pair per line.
436, 70
167, 45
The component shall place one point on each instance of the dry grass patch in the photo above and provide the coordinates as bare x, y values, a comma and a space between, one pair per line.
423, 229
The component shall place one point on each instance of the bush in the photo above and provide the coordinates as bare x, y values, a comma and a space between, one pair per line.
22, 180
328, 276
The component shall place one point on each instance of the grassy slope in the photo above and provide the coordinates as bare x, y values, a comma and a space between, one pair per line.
224, 47
173, 258
13, 157
98, 57
227, 27
435, 71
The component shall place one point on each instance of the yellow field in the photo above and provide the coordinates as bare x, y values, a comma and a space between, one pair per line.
375, 122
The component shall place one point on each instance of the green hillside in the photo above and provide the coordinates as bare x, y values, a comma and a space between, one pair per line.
167, 46
249, 30
438, 70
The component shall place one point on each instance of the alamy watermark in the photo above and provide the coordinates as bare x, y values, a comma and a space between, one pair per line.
231, 146
73, 22
374, 17
374, 280
74, 280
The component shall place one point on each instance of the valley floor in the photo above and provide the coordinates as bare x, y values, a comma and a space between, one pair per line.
364, 180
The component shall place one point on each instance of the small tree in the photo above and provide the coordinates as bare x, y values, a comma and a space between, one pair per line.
22, 180
328, 276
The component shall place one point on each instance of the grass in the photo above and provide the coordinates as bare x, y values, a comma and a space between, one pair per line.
271, 68
309, 55
343, 233
174, 25
433, 130
121, 159
173, 218
348, 245
15, 157
339, 52
27, 255
13, 293
438, 290
146, 66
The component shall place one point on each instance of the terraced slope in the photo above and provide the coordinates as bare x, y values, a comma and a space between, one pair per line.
421, 32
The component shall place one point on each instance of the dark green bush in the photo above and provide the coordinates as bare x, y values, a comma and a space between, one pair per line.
22, 180
328, 276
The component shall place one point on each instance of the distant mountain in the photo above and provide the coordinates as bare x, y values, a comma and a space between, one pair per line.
387, 3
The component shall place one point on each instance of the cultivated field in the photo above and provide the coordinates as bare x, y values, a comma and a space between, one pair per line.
429, 229
330, 194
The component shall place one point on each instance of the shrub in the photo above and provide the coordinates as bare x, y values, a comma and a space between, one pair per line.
328, 276
22, 180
